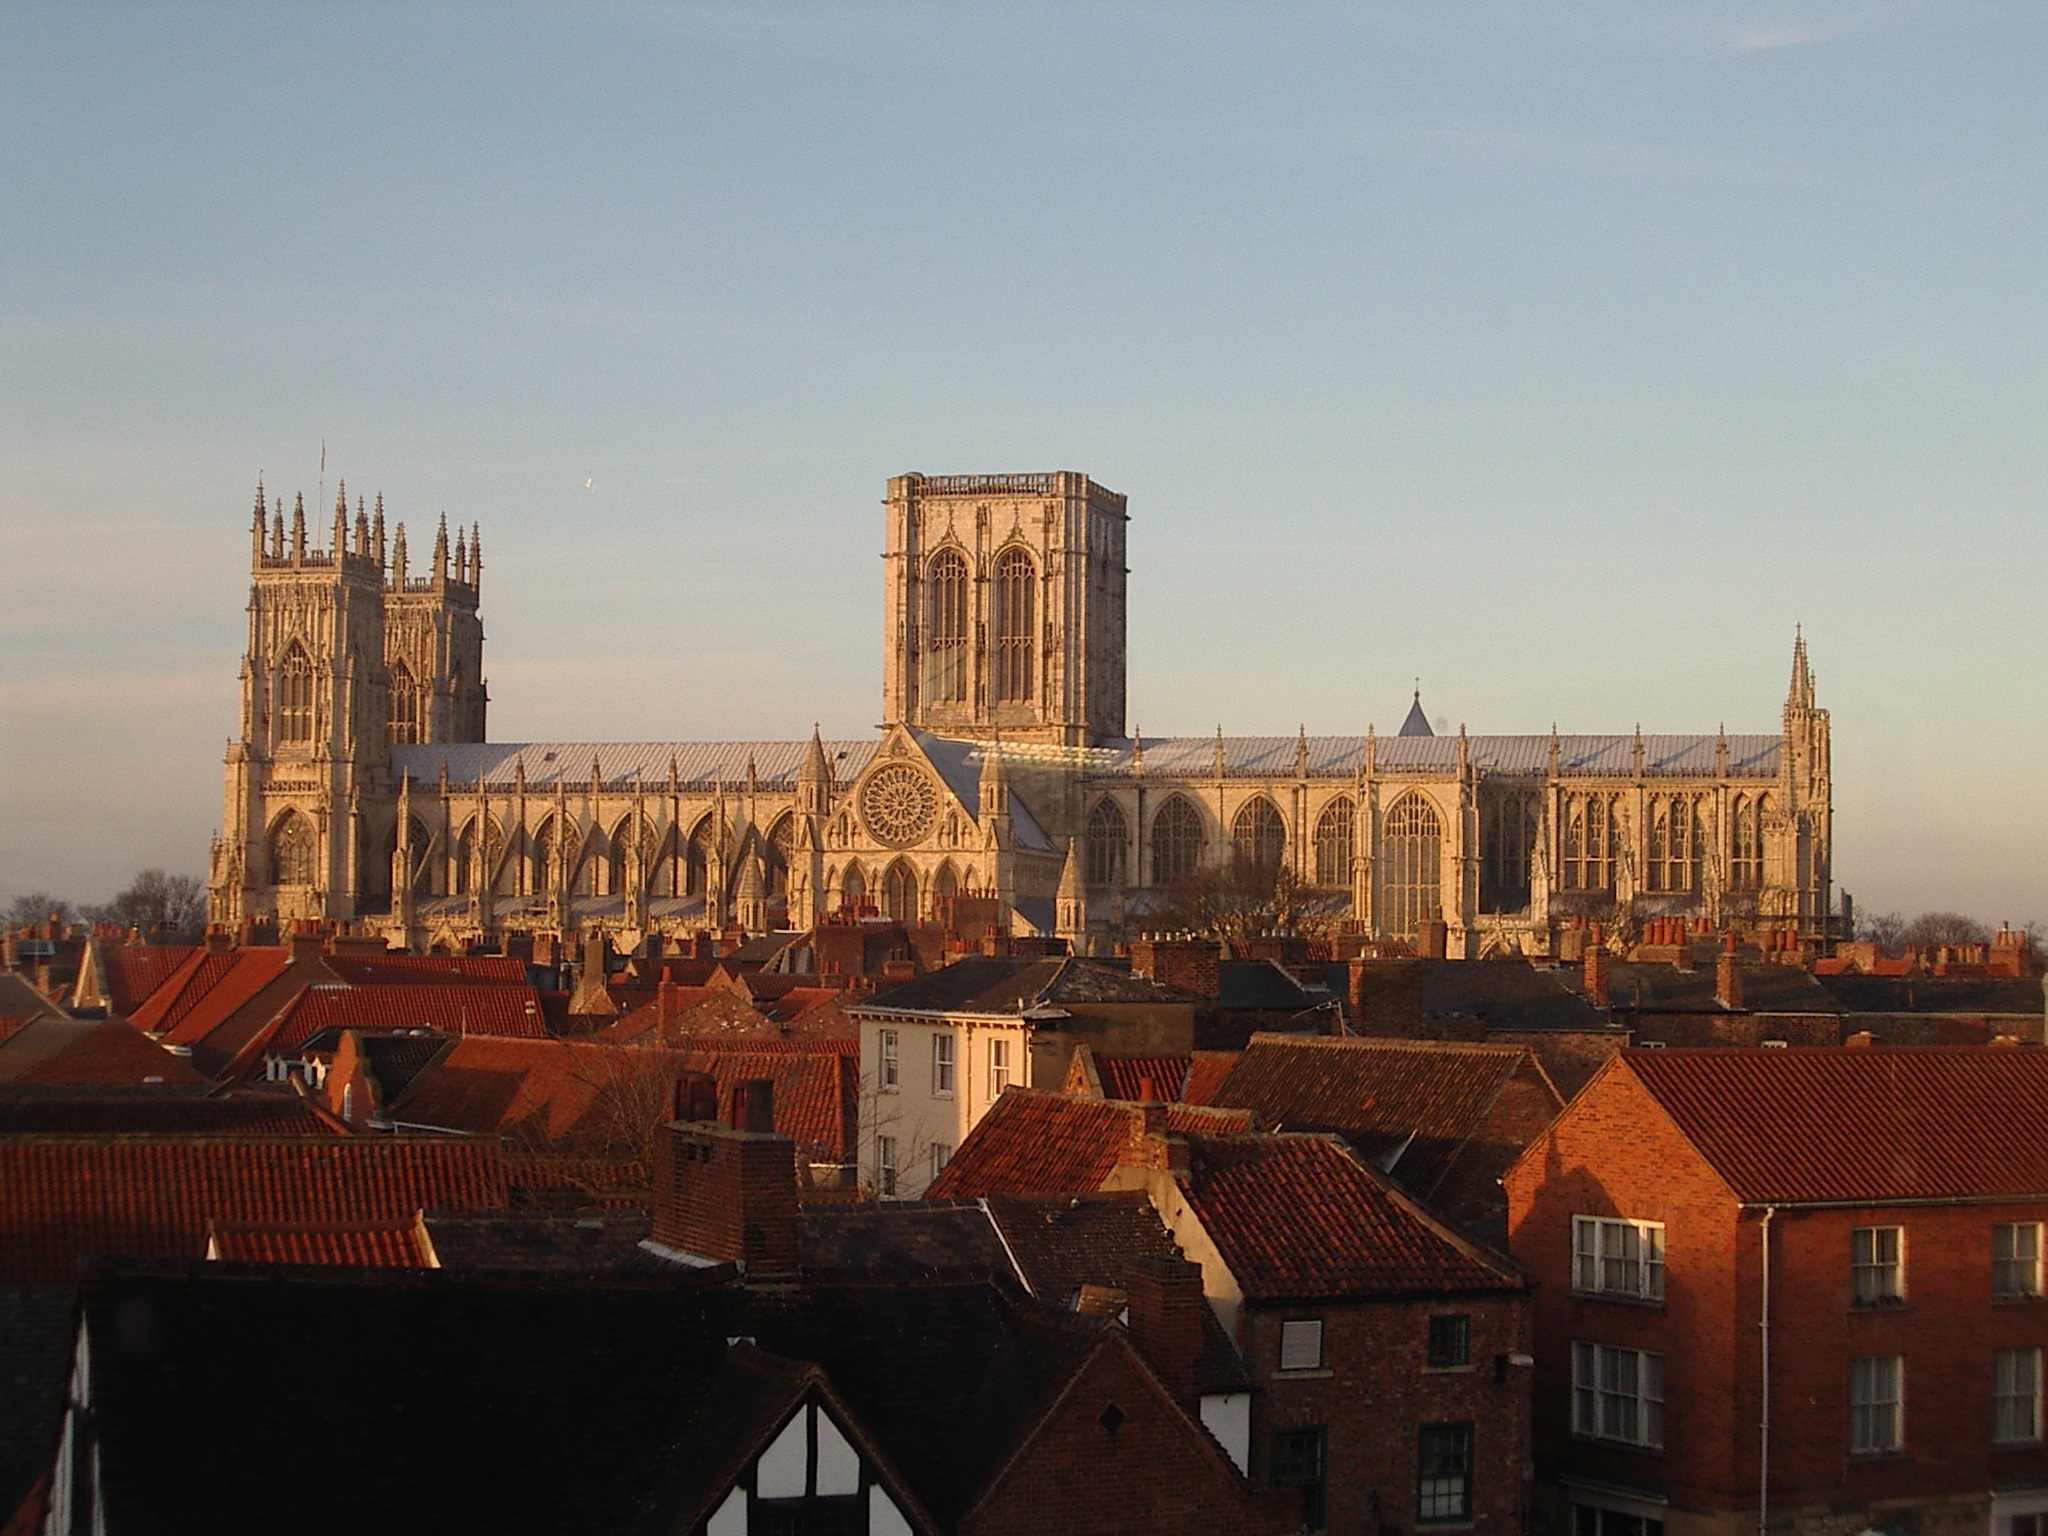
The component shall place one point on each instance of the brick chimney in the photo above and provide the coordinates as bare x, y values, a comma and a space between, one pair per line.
1728, 977
1166, 1306
1597, 960
1432, 938
728, 1193
1189, 964
1385, 996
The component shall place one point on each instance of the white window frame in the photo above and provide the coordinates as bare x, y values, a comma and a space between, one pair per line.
2016, 1396
885, 1165
1877, 1404
890, 1069
944, 1064
998, 1066
1877, 1265
2015, 1272
1301, 1344
1618, 1394
942, 1154
1613, 1256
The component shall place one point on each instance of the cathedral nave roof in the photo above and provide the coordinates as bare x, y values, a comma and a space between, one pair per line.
1342, 756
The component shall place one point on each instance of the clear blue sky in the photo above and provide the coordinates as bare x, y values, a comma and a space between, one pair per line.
1566, 356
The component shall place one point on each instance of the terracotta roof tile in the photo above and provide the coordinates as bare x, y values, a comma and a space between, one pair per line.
398, 970
817, 1093
1206, 1073
135, 971
1035, 1142
460, 1009
78, 1051
168, 1114
1138, 1078
1299, 1217
62, 1199
1871, 1123
375, 1244
201, 993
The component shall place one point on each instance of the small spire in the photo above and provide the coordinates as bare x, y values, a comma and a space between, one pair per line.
1137, 749
1372, 748
299, 527
1553, 749
377, 532
1417, 723
1639, 749
256, 529
362, 528
277, 528
340, 519
1301, 751
1721, 752
1219, 750
461, 557
476, 556
1801, 694
441, 550
398, 561
675, 783
262, 506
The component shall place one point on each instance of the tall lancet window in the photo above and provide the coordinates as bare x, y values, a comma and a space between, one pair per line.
1334, 843
1016, 631
1108, 838
945, 627
295, 696
1412, 861
1176, 842
1260, 835
292, 852
405, 705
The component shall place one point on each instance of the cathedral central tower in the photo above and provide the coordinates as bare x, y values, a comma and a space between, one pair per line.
1004, 607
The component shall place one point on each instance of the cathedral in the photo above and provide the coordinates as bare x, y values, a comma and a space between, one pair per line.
362, 788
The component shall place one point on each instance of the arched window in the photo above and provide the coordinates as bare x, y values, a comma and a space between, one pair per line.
421, 872
697, 867
899, 893
1411, 866
465, 860
1260, 834
1176, 841
1334, 834
1507, 849
776, 856
405, 705
945, 624
1588, 843
1107, 843
853, 890
615, 858
945, 886
295, 696
291, 852
1015, 629
1746, 869
543, 872
1676, 844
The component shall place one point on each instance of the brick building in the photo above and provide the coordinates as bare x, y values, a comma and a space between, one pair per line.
1796, 1290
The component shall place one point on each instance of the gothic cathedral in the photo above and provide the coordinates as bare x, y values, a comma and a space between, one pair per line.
362, 790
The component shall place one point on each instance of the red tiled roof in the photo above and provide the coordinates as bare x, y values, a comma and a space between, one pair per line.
460, 1009
203, 991
377, 1244
398, 970
1299, 1218
135, 971
1870, 1123
1206, 1074
1033, 1141
1142, 1077
51, 1052
817, 1091
136, 1197
173, 1113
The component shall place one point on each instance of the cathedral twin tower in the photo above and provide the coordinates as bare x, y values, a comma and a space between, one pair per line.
361, 788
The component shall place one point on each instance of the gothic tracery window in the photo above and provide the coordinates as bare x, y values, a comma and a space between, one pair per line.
1260, 835
1015, 628
1677, 844
1589, 843
295, 696
405, 705
1412, 864
853, 890
1176, 841
1746, 867
465, 861
1507, 843
544, 859
945, 620
291, 852
776, 856
899, 893
1106, 843
945, 886
1335, 842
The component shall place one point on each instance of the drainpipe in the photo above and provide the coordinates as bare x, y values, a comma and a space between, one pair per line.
1763, 1471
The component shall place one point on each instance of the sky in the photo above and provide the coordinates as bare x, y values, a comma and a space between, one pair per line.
1564, 357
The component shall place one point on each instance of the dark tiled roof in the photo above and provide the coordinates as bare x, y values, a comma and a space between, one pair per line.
62, 1199
1036, 1142
370, 1244
1262, 985
1936, 994
1003, 985
1664, 988
1415, 1101
47, 1052
1876, 1123
37, 1330
912, 1242
600, 1242
1506, 994
20, 1000
1298, 1217
459, 1009
1063, 1242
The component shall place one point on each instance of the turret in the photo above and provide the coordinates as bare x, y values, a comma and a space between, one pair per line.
256, 531
814, 780
476, 556
398, 560
340, 543
1070, 907
995, 786
441, 551
299, 528
377, 532
362, 530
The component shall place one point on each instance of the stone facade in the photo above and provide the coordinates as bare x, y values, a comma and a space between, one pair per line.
361, 787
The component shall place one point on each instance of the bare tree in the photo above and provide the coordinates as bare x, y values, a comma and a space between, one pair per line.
37, 905
1239, 898
1931, 929
159, 903
1880, 927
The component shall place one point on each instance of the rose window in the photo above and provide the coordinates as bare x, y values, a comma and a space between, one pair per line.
898, 804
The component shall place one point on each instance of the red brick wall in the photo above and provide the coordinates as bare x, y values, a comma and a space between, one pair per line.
1157, 1471
727, 1195
1377, 1393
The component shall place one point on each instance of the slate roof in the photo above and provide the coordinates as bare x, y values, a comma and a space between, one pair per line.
397, 970
1063, 1242
1521, 756
368, 1244
36, 1340
55, 1051
1505, 994
1407, 1105
64, 1198
20, 1000
1660, 987
1261, 984
1032, 1141
458, 1009
590, 1242
1865, 1124
1935, 994
923, 1242
1298, 1218
1007, 986
621, 762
